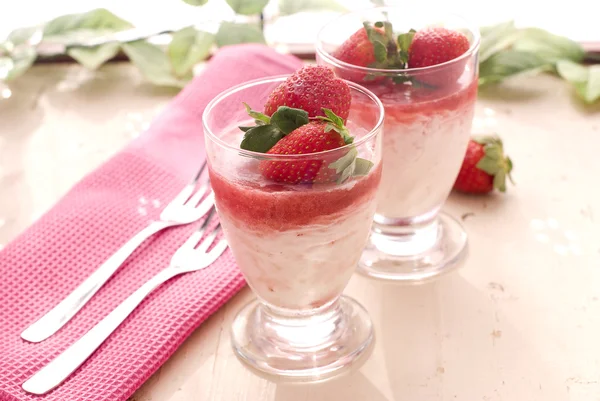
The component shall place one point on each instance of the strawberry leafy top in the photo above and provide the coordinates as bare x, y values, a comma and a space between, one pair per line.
390, 52
270, 130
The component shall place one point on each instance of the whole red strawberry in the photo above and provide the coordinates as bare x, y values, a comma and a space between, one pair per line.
309, 138
484, 167
311, 89
357, 49
437, 45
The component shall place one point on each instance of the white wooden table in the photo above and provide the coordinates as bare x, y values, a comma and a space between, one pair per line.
520, 321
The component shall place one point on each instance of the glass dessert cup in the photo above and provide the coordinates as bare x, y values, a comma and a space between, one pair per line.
296, 245
428, 117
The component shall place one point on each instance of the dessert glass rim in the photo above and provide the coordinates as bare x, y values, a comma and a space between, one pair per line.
281, 78
474, 46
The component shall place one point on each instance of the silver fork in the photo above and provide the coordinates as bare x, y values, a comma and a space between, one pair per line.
193, 255
185, 208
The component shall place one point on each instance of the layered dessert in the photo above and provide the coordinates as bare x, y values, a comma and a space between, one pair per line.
297, 220
428, 86
426, 133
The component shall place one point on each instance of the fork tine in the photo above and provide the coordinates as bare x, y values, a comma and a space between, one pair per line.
197, 196
185, 193
199, 173
209, 239
196, 236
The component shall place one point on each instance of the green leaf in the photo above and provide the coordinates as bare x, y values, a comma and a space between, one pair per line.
30, 35
380, 51
497, 38
94, 57
288, 7
260, 117
585, 80
336, 123
404, 40
489, 165
288, 119
87, 25
231, 34
247, 7
187, 48
196, 2
362, 167
343, 162
572, 72
548, 46
347, 173
509, 63
261, 138
153, 63
16, 65
500, 181
593, 86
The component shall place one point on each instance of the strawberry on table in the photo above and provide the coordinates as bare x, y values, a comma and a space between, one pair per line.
485, 167
311, 89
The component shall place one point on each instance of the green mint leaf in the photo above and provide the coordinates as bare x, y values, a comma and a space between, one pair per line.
245, 129
188, 47
24, 36
247, 7
288, 119
94, 57
16, 65
258, 116
593, 86
548, 46
231, 33
153, 63
380, 51
196, 2
343, 162
572, 72
76, 27
509, 63
261, 138
496, 38
73, 28
585, 79
362, 167
347, 172
289, 7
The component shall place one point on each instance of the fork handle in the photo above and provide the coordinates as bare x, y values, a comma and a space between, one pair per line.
67, 362
58, 316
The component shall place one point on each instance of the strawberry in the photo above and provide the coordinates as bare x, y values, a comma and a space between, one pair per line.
436, 45
373, 47
309, 138
484, 167
311, 89
357, 49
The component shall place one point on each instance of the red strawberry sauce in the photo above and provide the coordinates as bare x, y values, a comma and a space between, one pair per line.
284, 207
405, 103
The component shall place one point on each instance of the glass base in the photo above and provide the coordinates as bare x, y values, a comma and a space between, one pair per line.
414, 253
334, 340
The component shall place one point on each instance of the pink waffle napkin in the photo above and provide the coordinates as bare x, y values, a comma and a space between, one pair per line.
92, 220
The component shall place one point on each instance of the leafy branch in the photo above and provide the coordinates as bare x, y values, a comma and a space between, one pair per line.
171, 66
507, 51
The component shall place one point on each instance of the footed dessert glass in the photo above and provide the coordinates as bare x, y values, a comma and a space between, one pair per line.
296, 245
428, 117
